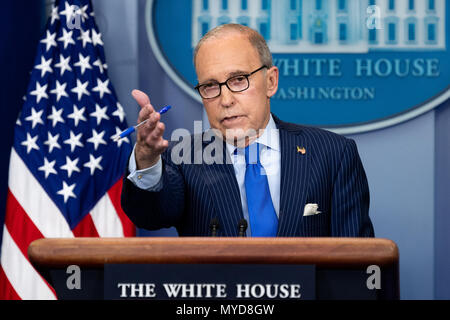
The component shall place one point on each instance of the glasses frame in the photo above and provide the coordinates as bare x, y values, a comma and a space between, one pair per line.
198, 86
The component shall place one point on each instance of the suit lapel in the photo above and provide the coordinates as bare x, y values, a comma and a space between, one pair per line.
224, 190
294, 179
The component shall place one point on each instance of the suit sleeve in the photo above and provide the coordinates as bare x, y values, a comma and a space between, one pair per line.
153, 210
350, 199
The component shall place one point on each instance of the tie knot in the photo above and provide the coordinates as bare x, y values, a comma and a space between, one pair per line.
252, 153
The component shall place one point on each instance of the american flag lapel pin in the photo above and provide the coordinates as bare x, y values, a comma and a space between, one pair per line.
301, 150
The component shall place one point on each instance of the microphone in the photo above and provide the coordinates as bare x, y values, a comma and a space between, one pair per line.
214, 226
242, 226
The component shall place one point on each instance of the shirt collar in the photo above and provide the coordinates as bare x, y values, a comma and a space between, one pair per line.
270, 137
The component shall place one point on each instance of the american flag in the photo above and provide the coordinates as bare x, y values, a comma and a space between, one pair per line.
65, 170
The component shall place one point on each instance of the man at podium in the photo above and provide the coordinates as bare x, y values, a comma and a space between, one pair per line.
258, 175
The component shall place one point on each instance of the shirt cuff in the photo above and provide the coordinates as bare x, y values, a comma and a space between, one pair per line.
147, 179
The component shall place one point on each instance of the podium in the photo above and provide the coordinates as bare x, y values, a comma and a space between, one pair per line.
341, 265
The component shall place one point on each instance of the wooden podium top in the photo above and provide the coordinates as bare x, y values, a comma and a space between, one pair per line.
324, 252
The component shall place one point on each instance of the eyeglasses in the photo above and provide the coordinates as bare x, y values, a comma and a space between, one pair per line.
238, 83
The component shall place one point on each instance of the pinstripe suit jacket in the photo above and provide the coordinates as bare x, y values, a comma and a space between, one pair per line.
330, 174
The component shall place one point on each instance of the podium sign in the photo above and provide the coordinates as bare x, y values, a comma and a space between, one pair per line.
209, 282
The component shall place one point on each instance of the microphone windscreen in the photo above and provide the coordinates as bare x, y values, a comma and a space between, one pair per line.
214, 223
243, 223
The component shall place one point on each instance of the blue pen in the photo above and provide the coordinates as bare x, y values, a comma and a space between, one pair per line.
130, 130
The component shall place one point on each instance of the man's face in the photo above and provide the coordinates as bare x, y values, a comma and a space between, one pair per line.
235, 113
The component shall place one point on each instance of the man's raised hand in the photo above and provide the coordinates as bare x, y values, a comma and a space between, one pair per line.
149, 143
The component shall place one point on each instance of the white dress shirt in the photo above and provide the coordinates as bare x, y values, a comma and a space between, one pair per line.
270, 158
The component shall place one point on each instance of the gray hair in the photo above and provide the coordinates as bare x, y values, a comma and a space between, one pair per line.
256, 40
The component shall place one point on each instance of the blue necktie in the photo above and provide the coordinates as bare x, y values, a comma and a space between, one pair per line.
263, 219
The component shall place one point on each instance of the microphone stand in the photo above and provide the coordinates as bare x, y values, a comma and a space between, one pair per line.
242, 227
214, 226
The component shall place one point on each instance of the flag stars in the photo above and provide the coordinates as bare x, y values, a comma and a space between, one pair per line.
44, 66
77, 140
77, 115
99, 113
54, 15
101, 66
66, 38
56, 116
119, 112
96, 38
30, 143
49, 40
63, 64
52, 142
39, 92
69, 11
48, 167
60, 90
102, 87
83, 63
67, 191
70, 166
84, 37
82, 12
74, 141
35, 117
97, 138
94, 163
80, 89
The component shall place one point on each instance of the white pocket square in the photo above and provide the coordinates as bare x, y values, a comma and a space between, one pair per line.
311, 209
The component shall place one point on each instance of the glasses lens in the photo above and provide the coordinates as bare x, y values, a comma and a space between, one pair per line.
238, 83
210, 90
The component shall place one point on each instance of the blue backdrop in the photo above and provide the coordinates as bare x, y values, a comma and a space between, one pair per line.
408, 165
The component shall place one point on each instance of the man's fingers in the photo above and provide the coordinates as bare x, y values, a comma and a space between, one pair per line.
146, 112
152, 130
153, 120
143, 114
156, 133
141, 98
165, 144
150, 143
156, 144
161, 146
159, 129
